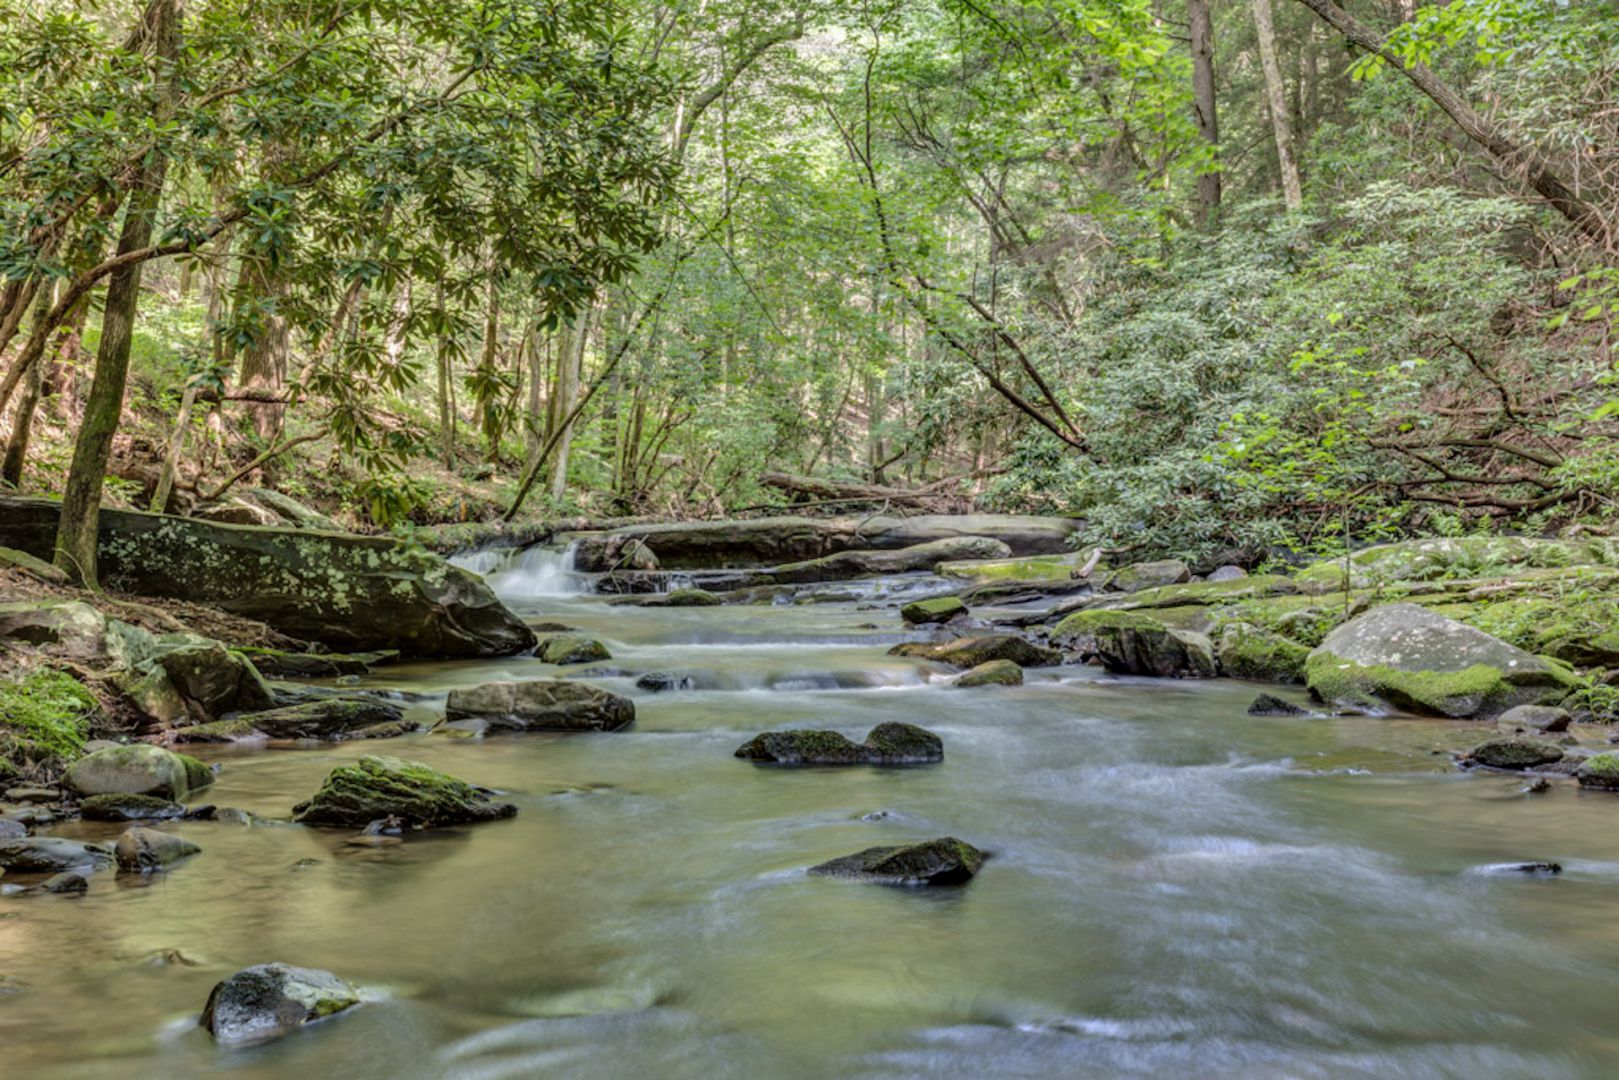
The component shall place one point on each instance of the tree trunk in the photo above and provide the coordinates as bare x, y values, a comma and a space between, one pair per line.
1540, 173
446, 381
1205, 106
81, 501
264, 362
573, 368
22, 422
1276, 96
171, 456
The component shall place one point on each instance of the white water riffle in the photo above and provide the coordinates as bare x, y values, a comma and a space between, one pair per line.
524, 573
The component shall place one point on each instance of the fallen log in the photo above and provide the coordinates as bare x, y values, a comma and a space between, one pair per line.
935, 498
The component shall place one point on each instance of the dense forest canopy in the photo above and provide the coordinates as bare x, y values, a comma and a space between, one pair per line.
1220, 279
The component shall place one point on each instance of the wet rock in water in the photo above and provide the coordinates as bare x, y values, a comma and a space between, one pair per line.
129, 808
1530, 869
542, 705
330, 718
571, 649
992, 673
379, 787
1599, 772
1514, 754
1417, 660
268, 1001
970, 652
142, 851
280, 664
690, 598
935, 610
138, 769
1147, 575
660, 681
946, 861
1271, 705
1130, 643
1227, 573
886, 744
65, 882
235, 729
1538, 718
1247, 652
12, 829
50, 854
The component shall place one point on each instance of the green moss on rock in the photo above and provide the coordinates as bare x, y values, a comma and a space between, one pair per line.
377, 787
993, 673
691, 598
1600, 772
44, 721
1247, 652
935, 609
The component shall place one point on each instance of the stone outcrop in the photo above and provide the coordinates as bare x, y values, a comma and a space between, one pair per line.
1133, 643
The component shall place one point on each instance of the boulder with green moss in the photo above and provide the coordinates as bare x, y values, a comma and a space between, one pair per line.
348, 592
936, 609
1247, 652
1131, 643
946, 861
377, 787
1145, 575
886, 744
44, 721
970, 652
1034, 568
129, 808
690, 598
571, 649
991, 673
1409, 658
541, 705
1514, 753
332, 719
137, 769
1451, 558
1600, 771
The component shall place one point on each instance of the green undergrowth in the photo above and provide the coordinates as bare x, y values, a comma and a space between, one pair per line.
44, 722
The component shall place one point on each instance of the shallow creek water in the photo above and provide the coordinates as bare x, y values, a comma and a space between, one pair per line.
1176, 889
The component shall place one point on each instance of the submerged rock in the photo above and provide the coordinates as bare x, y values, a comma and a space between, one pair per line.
328, 718
1417, 660
660, 681
129, 808
970, 652
991, 673
51, 854
271, 1000
542, 705
1271, 705
1514, 754
418, 795
938, 609
946, 861
571, 649
138, 769
886, 744
65, 882
141, 850
690, 598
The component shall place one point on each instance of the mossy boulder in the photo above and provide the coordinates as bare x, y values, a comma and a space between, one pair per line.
886, 744
992, 673
352, 593
236, 729
1146, 575
1450, 558
1131, 643
571, 649
333, 719
1247, 652
1600, 772
541, 705
1077, 632
137, 769
690, 598
970, 652
270, 1000
1514, 754
946, 861
1271, 705
44, 721
129, 808
143, 851
1416, 660
377, 787
935, 609
213, 680
1037, 568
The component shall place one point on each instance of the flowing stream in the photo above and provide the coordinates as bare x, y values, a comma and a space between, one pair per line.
1176, 888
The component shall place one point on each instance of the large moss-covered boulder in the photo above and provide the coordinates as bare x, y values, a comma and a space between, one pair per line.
1146, 575
886, 744
991, 673
1416, 660
1131, 643
541, 705
349, 592
946, 861
377, 787
1247, 652
1600, 772
271, 1000
571, 649
332, 719
936, 609
137, 769
970, 652
690, 598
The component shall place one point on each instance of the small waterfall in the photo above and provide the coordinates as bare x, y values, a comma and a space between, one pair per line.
524, 573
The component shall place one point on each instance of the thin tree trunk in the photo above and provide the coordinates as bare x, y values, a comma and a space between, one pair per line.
446, 406
22, 423
570, 390
1276, 96
81, 501
171, 456
1205, 105
264, 361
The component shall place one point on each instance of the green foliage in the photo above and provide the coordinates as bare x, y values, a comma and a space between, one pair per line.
44, 721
